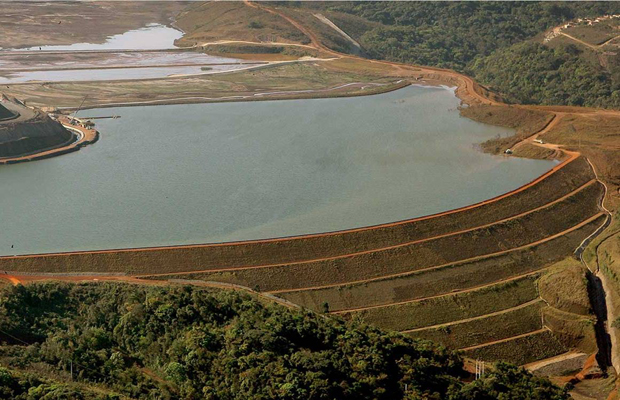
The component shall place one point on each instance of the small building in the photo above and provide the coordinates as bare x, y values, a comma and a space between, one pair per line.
508, 151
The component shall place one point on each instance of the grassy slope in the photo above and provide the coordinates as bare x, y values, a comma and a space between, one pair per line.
526, 122
522, 350
443, 280
514, 233
213, 21
452, 307
564, 287
466, 334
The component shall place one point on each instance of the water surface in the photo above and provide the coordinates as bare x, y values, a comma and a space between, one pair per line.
150, 37
77, 75
182, 174
37, 61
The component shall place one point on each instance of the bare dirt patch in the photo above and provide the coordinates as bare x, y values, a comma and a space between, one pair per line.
213, 21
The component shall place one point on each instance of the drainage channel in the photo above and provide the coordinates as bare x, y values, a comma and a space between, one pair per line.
599, 306
597, 295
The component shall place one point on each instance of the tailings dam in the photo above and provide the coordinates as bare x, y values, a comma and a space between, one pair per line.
203, 173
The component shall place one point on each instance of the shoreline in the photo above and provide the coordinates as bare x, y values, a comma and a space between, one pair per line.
84, 138
492, 200
465, 89
265, 96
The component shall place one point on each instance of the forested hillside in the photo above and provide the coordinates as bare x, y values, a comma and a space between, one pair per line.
190, 343
486, 40
531, 73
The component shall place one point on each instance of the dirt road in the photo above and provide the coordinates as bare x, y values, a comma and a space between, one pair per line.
506, 340
462, 321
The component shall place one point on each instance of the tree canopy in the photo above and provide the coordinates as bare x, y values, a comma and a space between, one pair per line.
493, 42
148, 342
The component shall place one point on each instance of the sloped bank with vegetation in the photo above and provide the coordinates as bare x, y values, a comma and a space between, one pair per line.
107, 341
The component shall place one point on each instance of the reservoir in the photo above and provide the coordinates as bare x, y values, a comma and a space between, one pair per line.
182, 174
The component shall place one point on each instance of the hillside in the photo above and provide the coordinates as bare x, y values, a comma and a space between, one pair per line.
479, 38
33, 131
5, 113
215, 21
578, 67
183, 342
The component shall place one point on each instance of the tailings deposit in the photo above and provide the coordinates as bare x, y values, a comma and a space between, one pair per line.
182, 174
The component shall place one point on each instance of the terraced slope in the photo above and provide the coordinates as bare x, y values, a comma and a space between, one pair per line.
559, 182
466, 279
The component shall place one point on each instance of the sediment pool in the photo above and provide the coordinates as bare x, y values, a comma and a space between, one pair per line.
181, 174
150, 37
36, 61
71, 75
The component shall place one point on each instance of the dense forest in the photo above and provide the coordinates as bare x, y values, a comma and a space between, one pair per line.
486, 40
113, 341
531, 73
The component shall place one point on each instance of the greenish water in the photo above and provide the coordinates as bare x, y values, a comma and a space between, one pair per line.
182, 174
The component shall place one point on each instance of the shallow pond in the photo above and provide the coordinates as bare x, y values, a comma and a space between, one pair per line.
182, 174
37, 61
150, 37
103, 74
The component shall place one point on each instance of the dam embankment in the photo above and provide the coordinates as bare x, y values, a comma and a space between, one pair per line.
560, 181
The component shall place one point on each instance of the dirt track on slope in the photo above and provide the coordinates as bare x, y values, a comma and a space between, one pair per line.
506, 339
462, 321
